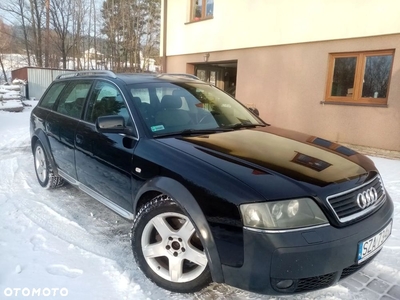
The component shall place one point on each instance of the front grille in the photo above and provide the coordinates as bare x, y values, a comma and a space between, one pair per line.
314, 283
356, 267
345, 205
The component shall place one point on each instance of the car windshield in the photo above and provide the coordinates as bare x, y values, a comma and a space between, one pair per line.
182, 108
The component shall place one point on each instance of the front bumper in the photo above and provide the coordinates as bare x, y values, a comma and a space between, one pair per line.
313, 259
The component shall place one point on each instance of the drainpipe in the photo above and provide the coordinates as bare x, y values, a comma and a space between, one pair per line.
164, 51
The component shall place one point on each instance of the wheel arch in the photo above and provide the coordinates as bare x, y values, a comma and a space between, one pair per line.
178, 192
41, 136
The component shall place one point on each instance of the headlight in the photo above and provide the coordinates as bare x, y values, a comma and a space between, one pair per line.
286, 214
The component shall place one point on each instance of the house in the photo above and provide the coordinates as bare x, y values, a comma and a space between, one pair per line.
329, 68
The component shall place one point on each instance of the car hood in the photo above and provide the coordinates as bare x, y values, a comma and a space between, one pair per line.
303, 160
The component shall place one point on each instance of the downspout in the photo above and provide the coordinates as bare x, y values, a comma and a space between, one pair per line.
164, 51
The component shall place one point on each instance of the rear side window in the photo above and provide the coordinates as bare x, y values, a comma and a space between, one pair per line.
52, 94
73, 97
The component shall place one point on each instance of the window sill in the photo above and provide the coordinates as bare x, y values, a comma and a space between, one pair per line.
352, 104
199, 20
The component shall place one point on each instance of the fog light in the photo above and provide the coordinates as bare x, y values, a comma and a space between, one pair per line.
284, 284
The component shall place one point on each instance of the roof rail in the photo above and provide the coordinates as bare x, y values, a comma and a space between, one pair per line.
191, 76
66, 75
88, 73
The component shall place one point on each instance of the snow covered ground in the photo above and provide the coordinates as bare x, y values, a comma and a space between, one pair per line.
62, 244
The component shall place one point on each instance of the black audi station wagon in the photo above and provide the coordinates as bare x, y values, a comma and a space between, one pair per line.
214, 193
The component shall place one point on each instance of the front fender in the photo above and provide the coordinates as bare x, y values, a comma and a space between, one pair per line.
42, 137
189, 205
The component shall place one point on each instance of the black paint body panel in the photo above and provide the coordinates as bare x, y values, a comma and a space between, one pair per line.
221, 171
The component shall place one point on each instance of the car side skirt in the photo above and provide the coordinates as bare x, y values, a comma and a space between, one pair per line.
111, 205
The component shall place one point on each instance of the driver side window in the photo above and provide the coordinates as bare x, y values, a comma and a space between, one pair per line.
107, 100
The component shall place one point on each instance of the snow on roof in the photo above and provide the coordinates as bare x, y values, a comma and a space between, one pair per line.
18, 81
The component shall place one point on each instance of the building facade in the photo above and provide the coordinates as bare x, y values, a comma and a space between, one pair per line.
328, 68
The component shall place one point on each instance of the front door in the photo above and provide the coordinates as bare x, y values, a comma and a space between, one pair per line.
104, 161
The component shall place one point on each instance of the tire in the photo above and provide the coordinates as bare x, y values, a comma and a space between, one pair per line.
167, 248
43, 171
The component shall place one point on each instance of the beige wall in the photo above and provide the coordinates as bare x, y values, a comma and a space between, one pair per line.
241, 24
287, 84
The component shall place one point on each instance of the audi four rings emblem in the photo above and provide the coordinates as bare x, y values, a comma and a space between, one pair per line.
367, 198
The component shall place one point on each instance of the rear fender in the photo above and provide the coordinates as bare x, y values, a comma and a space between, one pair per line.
41, 136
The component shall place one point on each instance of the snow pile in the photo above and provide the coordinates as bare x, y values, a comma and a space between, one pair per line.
10, 96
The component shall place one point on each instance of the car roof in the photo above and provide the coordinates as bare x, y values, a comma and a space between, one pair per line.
131, 78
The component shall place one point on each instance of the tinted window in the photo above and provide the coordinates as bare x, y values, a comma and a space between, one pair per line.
52, 94
73, 97
106, 100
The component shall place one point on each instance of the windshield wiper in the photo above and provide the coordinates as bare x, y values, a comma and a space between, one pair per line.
194, 131
241, 125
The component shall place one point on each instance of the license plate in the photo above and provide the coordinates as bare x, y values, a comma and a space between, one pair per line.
369, 247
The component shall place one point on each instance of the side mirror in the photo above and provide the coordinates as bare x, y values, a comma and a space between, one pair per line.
112, 124
254, 111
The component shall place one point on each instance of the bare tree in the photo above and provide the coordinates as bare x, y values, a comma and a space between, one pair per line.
79, 17
62, 13
46, 47
5, 41
132, 29
151, 38
20, 10
60, 30
112, 28
37, 11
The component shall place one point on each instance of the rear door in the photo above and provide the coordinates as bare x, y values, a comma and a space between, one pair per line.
61, 124
104, 161
43, 112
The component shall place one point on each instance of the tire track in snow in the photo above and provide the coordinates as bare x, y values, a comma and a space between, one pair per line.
106, 243
18, 183
9, 167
